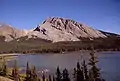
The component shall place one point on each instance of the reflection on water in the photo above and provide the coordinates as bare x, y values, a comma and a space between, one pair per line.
109, 62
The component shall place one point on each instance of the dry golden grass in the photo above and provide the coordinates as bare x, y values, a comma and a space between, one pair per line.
4, 79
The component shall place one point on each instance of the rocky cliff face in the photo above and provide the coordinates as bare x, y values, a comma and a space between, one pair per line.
10, 33
61, 29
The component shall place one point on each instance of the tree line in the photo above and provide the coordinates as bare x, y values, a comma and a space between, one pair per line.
41, 46
80, 73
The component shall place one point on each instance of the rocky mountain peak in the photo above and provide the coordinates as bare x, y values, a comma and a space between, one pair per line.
69, 25
62, 22
62, 29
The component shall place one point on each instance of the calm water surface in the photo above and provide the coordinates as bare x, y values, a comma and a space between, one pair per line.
109, 62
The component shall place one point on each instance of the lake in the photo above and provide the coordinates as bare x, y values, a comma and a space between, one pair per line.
109, 62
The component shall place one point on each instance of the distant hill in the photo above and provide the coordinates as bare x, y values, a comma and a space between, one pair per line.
10, 33
108, 34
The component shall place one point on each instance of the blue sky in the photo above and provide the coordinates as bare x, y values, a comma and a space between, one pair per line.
26, 14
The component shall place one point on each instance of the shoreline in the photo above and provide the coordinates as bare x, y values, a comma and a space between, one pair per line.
9, 54
80, 51
8, 57
2, 78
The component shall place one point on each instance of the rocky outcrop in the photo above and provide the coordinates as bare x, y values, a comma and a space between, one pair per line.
61, 29
10, 33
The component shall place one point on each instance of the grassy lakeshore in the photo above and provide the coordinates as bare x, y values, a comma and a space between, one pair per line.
9, 54
4, 79
8, 57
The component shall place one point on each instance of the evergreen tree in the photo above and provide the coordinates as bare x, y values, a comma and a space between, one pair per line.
4, 73
53, 78
65, 75
75, 74
50, 78
58, 75
34, 74
15, 73
78, 73
80, 76
39, 79
47, 79
0, 66
85, 70
28, 73
3, 68
94, 73
43, 77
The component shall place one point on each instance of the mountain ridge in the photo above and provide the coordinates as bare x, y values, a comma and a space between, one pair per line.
10, 33
54, 29
55, 35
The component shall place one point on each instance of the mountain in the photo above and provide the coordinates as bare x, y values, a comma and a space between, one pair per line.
54, 29
61, 29
56, 35
9, 33
108, 34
